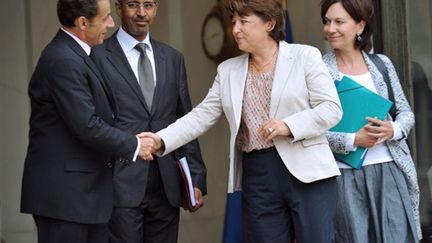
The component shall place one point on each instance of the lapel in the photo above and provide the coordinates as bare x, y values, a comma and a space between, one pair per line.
161, 70
237, 85
117, 58
332, 66
76, 48
281, 77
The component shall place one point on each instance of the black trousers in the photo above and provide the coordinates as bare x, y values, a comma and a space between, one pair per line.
278, 208
55, 230
153, 221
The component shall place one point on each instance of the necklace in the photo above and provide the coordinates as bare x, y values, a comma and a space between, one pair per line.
260, 69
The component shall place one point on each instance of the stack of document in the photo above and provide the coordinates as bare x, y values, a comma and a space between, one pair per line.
187, 185
358, 102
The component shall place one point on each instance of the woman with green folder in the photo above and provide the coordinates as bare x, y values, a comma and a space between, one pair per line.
379, 201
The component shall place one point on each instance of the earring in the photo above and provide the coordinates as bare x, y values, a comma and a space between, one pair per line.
359, 38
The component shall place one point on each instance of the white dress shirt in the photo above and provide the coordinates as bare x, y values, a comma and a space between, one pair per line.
128, 43
84, 45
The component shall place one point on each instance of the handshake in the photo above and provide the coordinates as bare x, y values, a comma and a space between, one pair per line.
150, 144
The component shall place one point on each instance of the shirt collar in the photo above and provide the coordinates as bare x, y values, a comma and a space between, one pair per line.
84, 45
128, 43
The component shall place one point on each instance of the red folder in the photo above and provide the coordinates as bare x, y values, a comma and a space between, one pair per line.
187, 186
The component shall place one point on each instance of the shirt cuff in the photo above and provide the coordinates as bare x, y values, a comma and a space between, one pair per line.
349, 142
397, 131
136, 150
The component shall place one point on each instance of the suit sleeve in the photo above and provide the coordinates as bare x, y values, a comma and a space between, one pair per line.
74, 95
325, 109
191, 150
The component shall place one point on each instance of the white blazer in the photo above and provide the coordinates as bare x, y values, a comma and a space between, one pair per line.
303, 96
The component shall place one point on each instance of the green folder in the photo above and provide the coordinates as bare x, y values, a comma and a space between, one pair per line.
357, 102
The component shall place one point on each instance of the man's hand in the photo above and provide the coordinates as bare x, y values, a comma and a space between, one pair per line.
146, 148
157, 140
198, 199
150, 143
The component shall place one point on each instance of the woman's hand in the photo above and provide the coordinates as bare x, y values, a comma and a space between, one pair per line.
272, 128
381, 130
363, 139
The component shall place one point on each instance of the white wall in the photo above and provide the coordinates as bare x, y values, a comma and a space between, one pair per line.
306, 23
14, 112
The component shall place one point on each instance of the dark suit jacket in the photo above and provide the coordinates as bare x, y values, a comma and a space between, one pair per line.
67, 173
171, 101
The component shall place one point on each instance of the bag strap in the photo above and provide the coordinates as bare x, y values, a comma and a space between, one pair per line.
383, 70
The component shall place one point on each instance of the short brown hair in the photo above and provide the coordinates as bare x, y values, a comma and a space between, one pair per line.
358, 10
267, 10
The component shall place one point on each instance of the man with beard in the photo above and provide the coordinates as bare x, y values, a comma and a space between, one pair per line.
150, 89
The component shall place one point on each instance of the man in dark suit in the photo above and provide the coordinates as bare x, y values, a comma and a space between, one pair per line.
147, 194
67, 180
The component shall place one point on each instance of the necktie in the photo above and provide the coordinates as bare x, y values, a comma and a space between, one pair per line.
145, 75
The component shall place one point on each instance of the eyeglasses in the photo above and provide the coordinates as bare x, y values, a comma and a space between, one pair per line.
136, 5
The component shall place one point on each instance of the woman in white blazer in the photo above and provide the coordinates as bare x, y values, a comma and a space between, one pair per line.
379, 201
279, 101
